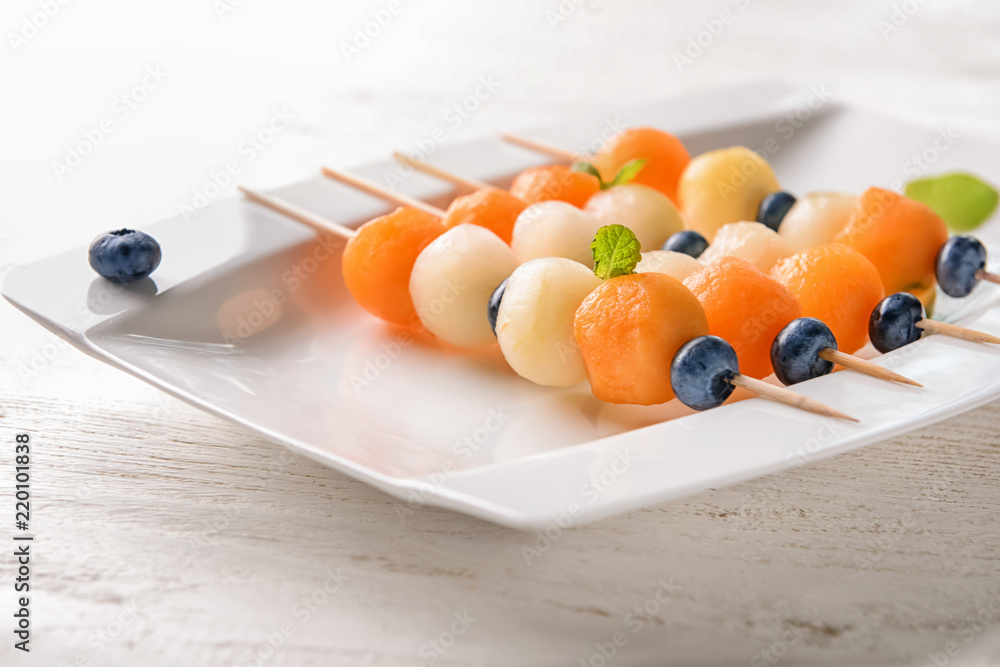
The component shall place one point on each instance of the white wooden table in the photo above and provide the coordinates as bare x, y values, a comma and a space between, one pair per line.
168, 537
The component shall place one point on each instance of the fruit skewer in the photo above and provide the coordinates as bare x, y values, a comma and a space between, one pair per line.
756, 386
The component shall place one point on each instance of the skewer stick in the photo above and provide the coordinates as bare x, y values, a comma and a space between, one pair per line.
437, 172
866, 367
989, 277
294, 212
790, 398
378, 191
540, 147
956, 331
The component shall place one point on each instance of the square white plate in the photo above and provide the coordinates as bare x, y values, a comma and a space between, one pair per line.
464, 432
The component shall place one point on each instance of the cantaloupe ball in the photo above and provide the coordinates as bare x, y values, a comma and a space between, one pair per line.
554, 229
650, 214
535, 320
816, 219
675, 264
724, 186
749, 241
452, 281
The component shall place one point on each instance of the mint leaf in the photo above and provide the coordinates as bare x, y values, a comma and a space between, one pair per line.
962, 200
626, 174
616, 252
586, 167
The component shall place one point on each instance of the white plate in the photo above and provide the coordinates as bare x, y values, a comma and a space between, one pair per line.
438, 428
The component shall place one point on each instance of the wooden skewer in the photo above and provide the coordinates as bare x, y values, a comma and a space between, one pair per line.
539, 147
437, 172
790, 398
866, 367
382, 193
294, 212
956, 331
989, 277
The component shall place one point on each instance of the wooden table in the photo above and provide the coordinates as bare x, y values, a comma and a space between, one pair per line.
168, 537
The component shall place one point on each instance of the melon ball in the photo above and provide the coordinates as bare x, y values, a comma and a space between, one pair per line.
650, 214
724, 186
535, 320
452, 281
816, 219
675, 264
554, 229
749, 241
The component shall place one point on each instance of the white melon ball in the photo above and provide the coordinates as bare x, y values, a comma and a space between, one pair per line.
452, 281
750, 241
816, 219
675, 264
649, 213
535, 320
554, 229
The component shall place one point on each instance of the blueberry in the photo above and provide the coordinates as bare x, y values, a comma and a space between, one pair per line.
125, 255
702, 370
494, 305
959, 261
893, 323
688, 242
774, 208
795, 351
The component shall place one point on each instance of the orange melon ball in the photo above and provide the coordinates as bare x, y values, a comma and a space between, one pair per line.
900, 236
555, 181
629, 330
835, 284
377, 262
746, 308
494, 209
665, 154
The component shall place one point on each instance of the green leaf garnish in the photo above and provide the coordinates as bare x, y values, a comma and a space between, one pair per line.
616, 252
626, 174
962, 200
586, 167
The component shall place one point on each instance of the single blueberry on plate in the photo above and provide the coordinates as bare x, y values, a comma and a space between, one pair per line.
795, 351
494, 305
688, 242
701, 372
124, 255
774, 208
893, 323
959, 262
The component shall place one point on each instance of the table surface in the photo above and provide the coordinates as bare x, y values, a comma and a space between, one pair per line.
166, 536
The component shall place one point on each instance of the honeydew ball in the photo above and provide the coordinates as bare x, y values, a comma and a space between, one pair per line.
535, 320
452, 280
724, 186
554, 229
750, 241
649, 213
816, 219
675, 264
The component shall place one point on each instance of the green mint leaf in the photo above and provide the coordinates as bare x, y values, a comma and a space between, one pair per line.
586, 167
616, 252
626, 174
962, 200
